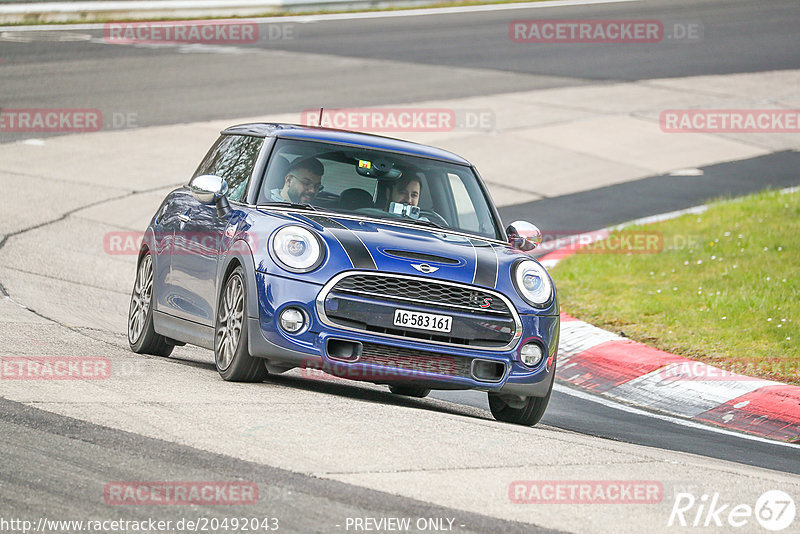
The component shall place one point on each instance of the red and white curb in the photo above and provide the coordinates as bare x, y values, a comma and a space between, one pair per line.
610, 365
616, 367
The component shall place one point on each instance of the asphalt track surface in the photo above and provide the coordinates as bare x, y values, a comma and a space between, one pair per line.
616, 204
33, 440
416, 58
412, 59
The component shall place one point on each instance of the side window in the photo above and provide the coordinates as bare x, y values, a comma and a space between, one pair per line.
209, 163
467, 218
474, 213
232, 158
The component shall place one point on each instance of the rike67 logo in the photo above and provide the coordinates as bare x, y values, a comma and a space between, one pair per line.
774, 510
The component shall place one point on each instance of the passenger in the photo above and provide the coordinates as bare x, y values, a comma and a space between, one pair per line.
302, 182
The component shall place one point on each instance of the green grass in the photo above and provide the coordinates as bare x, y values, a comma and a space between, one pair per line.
724, 290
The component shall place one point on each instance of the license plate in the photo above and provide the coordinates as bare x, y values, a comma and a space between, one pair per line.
423, 321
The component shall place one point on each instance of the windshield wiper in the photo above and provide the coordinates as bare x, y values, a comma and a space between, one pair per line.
289, 205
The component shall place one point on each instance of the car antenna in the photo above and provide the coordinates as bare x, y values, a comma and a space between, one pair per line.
319, 121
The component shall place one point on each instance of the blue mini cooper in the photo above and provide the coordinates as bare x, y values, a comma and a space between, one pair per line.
361, 256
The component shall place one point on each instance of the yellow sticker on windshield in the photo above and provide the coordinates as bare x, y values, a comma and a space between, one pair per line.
364, 164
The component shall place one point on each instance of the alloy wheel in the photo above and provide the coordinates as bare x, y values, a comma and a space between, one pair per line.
229, 328
140, 299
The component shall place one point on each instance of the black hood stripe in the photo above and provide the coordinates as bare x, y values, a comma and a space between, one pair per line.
485, 263
355, 249
325, 222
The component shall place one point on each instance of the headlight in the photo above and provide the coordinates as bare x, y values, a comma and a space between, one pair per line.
296, 249
532, 283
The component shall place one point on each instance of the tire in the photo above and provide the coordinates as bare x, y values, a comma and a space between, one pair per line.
410, 391
528, 414
231, 355
142, 337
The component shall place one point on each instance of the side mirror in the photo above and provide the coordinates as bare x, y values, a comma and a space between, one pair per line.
210, 189
523, 236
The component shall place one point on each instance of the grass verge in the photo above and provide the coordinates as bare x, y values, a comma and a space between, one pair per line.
724, 289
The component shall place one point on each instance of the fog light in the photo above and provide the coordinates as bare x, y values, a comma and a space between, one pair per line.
292, 320
531, 354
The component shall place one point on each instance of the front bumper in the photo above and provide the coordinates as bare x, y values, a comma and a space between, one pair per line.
387, 360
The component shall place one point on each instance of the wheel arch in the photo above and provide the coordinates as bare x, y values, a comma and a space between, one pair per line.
148, 240
240, 255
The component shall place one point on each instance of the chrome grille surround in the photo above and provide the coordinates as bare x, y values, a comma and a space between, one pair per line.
510, 313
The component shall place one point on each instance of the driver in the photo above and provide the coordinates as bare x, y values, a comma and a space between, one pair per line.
302, 182
405, 190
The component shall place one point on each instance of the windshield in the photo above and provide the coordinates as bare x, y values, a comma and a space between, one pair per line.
378, 184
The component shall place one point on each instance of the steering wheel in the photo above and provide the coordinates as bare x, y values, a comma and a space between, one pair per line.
434, 217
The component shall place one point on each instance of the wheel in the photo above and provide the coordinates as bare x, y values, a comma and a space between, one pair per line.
142, 336
527, 412
231, 356
409, 391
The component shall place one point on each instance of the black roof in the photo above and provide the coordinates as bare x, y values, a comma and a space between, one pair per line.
330, 135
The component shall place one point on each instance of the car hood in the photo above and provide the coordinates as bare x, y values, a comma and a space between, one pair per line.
371, 245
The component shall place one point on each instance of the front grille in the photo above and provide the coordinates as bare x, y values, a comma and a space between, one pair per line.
412, 362
367, 302
422, 291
